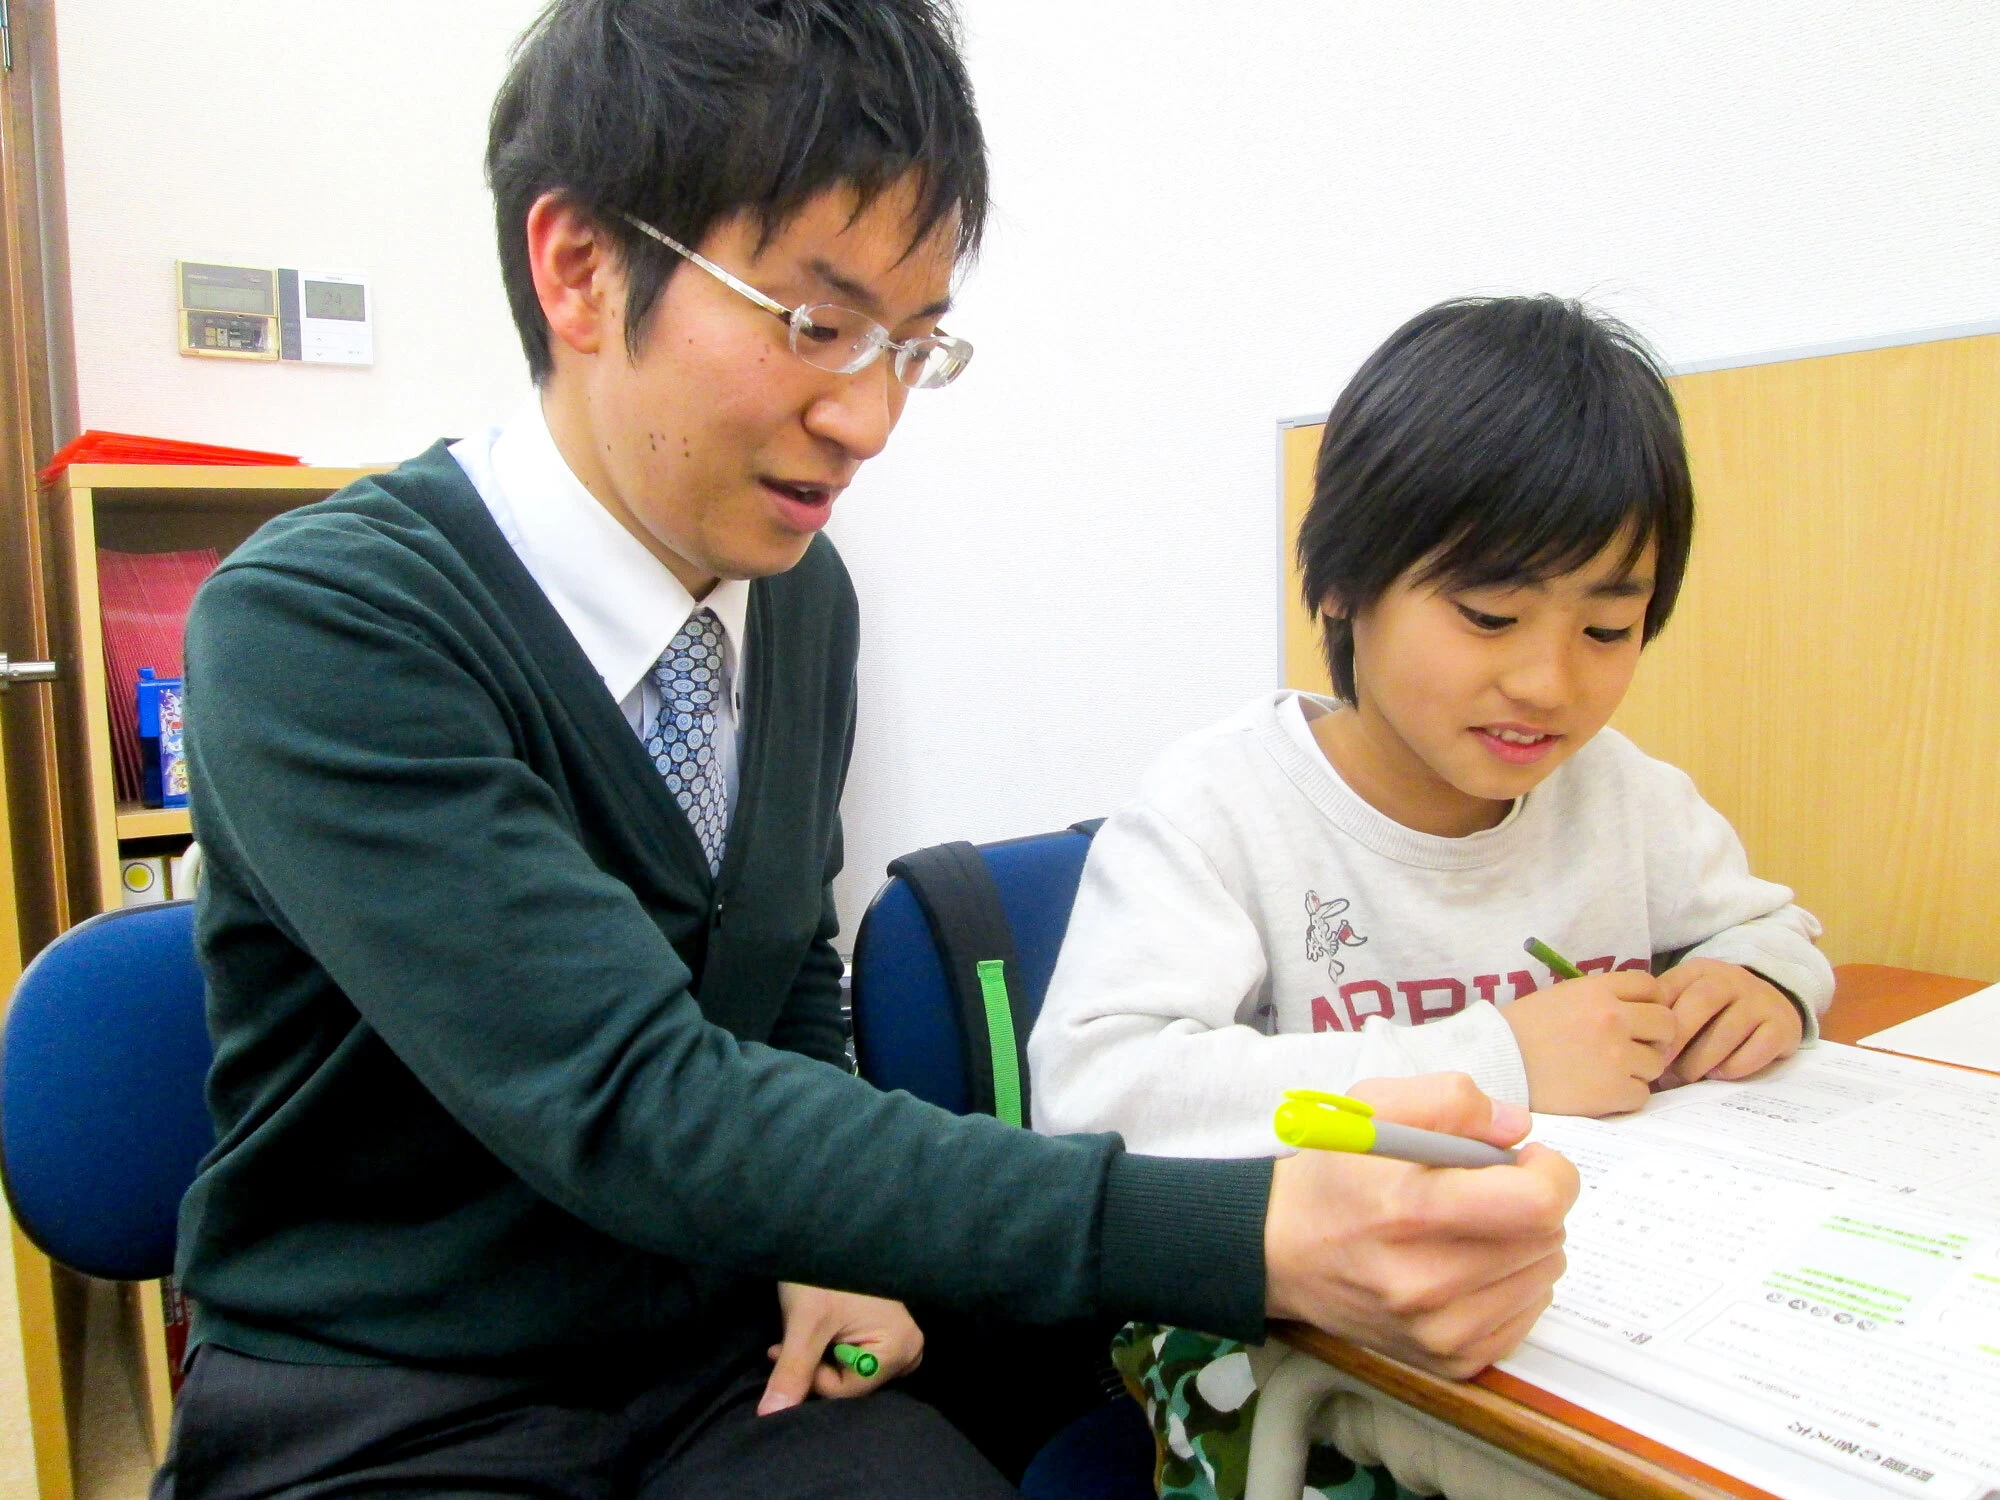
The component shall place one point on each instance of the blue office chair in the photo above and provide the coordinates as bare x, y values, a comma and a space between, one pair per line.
951, 962
102, 1116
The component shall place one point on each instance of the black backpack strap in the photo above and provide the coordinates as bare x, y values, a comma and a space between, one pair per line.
962, 905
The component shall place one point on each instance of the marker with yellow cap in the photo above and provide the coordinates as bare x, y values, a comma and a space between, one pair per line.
1334, 1122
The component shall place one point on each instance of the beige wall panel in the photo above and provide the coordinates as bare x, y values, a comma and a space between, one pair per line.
1832, 680
1305, 662
1832, 677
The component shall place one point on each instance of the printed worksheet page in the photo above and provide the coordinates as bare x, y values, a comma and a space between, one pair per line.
1809, 1260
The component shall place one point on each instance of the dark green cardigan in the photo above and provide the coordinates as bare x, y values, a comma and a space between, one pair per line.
501, 1074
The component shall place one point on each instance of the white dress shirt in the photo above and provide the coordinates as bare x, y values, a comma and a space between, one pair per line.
618, 600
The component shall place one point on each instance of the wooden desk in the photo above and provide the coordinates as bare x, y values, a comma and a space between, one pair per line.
1541, 1433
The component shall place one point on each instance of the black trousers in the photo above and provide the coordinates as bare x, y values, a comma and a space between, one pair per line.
248, 1428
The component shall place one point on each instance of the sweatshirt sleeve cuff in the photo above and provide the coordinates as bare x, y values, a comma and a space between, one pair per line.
1183, 1243
1478, 1042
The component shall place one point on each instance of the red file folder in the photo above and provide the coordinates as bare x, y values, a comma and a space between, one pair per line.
144, 598
95, 447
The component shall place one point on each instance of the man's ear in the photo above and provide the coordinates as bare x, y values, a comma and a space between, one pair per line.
578, 278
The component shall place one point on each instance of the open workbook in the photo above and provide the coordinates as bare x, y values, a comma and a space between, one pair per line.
1794, 1280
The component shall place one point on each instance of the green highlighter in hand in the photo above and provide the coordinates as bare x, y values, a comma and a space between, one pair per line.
1334, 1122
857, 1359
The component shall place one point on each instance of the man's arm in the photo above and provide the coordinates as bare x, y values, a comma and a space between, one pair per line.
811, 1022
364, 778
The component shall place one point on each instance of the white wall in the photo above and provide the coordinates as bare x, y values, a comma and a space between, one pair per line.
280, 133
1207, 215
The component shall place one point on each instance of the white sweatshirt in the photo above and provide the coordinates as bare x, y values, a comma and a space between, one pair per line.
1250, 925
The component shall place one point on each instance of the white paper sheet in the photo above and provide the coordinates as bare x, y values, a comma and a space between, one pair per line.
1810, 1258
1966, 1032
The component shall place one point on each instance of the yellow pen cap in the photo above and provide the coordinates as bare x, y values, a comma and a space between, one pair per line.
1316, 1121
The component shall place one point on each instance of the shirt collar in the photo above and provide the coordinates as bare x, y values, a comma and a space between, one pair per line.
618, 600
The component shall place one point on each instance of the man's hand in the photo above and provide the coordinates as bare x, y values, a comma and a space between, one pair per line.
1441, 1268
1729, 1022
816, 1320
1592, 1046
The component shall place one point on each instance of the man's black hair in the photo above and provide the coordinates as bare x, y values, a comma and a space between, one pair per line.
1494, 440
686, 113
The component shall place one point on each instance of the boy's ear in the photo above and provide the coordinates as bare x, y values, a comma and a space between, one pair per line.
578, 278
1331, 607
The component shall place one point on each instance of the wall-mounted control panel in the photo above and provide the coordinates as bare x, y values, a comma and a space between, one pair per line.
252, 312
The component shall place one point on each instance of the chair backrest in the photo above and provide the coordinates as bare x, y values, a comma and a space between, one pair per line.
103, 1121
910, 1026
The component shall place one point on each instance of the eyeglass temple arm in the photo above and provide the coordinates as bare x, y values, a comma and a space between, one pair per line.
769, 305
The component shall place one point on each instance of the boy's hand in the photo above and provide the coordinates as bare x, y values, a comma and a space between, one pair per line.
1593, 1046
1442, 1268
816, 1320
1729, 1021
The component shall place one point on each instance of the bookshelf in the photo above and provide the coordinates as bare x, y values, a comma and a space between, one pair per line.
126, 508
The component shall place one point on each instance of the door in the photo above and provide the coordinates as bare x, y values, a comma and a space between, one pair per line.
37, 415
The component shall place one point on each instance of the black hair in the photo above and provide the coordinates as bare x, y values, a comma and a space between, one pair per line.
685, 113
1494, 440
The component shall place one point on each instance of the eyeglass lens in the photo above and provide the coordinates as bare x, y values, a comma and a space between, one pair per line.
830, 337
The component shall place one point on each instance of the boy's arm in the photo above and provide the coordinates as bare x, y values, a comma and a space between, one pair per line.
1140, 1031
1707, 904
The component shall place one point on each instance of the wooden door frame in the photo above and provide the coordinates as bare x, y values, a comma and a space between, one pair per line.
38, 410
38, 413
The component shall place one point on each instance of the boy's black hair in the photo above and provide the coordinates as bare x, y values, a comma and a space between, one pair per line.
685, 113
1494, 440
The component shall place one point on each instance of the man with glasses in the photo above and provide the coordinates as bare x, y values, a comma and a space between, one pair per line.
518, 770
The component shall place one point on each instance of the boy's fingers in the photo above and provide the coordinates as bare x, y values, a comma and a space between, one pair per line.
1637, 985
1729, 1030
1653, 1024
1759, 1050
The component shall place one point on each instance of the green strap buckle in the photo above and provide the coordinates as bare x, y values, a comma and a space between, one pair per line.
1000, 1037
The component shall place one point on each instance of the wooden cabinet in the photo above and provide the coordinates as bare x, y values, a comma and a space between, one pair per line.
126, 508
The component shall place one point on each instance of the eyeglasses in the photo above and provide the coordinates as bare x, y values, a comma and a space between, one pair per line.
830, 337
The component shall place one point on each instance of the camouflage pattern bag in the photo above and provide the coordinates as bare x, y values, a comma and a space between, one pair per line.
1200, 1397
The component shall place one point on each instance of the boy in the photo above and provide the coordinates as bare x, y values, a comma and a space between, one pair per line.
1317, 891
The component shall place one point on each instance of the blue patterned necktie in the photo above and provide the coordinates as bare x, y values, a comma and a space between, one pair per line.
681, 738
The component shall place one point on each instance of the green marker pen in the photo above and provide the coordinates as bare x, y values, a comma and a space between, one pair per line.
1559, 966
857, 1359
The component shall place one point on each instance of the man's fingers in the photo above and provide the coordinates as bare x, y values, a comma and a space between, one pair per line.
1464, 1338
1524, 1202
1450, 1103
797, 1365
837, 1382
